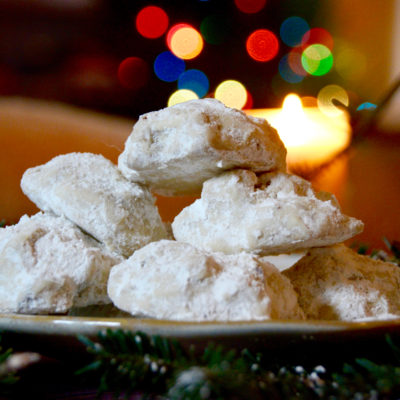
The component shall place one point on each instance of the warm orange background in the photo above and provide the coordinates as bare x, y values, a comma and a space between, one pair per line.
366, 181
32, 132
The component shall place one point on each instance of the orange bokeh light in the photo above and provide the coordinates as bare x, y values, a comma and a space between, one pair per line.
173, 30
309, 101
185, 41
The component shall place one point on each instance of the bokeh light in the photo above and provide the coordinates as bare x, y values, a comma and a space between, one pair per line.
294, 61
309, 101
90, 77
326, 97
350, 63
249, 102
152, 22
317, 59
366, 106
180, 96
173, 30
293, 30
250, 6
232, 93
185, 41
133, 72
215, 29
262, 45
194, 80
168, 67
287, 72
318, 36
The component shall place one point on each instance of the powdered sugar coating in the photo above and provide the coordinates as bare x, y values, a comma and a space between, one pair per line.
91, 192
48, 265
174, 150
175, 281
271, 214
336, 283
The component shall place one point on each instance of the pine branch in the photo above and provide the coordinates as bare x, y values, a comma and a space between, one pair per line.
8, 376
391, 255
126, 362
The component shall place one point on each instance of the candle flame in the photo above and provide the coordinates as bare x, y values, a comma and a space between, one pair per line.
292, 123
292, 103
308, 134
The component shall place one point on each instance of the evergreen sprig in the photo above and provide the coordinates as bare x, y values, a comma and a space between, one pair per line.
126, 362
392, 254
7, 376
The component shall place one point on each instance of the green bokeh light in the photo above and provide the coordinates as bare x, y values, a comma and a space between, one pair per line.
215, 29
317, 59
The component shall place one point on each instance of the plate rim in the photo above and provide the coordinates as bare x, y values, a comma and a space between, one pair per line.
75, 325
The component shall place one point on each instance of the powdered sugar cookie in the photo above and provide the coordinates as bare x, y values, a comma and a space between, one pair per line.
174, 150
47, 265
172, 280
91, 192
336, 283
271, 214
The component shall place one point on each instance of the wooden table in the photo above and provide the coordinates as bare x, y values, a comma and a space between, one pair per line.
366, 181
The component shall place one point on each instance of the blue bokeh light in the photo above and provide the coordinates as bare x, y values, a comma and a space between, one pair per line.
366, 106
168, 67
195, 80
286, 72
293, 29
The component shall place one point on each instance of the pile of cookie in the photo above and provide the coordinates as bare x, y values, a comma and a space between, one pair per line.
99, 238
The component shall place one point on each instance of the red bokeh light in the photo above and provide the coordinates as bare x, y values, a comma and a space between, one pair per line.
294, 61
317, 35
133, 73
262, 45
152, 22
250, 6
249, 102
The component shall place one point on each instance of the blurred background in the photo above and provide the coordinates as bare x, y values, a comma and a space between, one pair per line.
112, 60
128, 57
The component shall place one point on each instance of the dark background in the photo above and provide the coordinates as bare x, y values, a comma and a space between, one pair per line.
70, 51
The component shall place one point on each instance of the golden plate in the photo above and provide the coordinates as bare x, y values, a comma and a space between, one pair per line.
58, 335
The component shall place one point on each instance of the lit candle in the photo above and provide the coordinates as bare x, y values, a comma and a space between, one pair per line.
311, 137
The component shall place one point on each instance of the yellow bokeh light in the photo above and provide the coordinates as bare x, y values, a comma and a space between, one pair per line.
232, 93
325, 100
350, 63
180, 96
186, 43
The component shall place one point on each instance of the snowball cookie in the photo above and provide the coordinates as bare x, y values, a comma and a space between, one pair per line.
172, 280
90, 191
336, 283
276, 213
174, 150
48, 265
